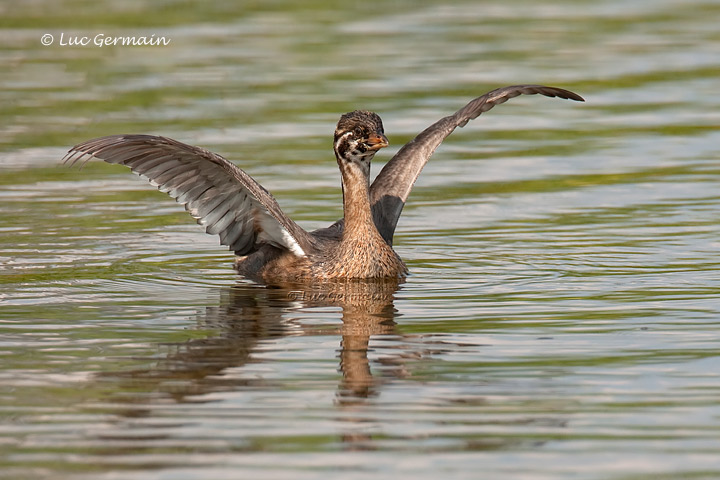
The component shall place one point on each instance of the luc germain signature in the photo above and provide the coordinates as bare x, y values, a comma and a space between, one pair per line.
334, 296
103, 40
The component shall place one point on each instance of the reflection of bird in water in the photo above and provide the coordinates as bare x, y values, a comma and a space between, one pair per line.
249, 321
270, 246
247, 315
367, 310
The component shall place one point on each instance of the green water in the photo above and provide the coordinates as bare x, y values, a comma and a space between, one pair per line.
562, 316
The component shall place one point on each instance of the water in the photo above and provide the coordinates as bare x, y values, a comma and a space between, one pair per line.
561, 319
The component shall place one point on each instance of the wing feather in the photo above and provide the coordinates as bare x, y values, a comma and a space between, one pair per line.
222, 197
391, 188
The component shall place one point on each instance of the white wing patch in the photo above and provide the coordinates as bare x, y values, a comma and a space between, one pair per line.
274, 234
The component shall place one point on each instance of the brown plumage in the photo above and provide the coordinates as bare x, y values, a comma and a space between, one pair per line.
270, 246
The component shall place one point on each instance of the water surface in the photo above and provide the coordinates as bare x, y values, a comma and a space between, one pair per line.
561, 319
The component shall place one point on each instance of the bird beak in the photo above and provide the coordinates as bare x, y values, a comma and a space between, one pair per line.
377, 141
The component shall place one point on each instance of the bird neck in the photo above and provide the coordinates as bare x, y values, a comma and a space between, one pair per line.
356, 202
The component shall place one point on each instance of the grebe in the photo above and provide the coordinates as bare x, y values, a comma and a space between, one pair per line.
272, 248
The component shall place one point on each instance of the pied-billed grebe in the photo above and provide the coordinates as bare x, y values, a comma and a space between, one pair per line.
270, 247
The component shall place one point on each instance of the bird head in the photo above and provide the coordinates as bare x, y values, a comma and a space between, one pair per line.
358, 136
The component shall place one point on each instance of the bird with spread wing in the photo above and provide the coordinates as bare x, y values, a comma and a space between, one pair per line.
271, 247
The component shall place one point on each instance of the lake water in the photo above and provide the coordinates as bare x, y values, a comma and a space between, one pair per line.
562, 319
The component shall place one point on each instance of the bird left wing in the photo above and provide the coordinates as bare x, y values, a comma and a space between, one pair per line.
392, 186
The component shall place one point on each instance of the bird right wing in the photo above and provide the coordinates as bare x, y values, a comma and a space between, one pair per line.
391, 188
221, 196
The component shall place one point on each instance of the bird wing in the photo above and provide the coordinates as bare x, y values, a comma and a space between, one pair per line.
391, 188
222, 197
